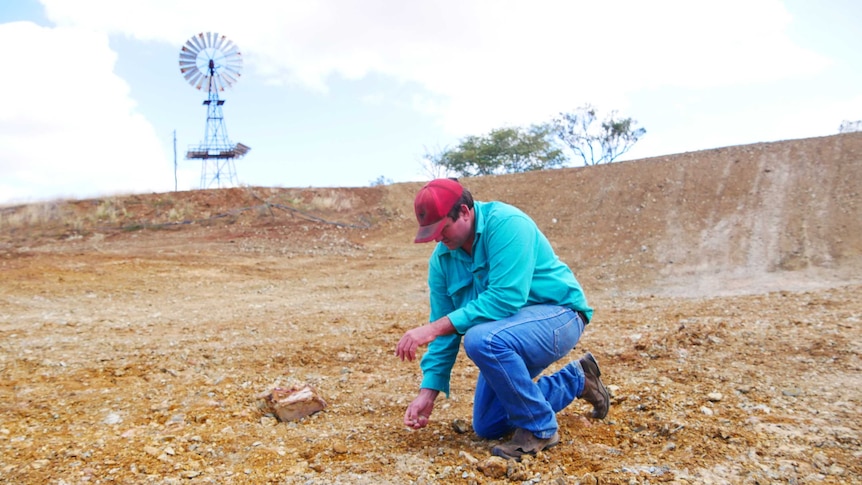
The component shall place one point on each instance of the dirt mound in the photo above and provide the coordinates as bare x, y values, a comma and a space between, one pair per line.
136, 330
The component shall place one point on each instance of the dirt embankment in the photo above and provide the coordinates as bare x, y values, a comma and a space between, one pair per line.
136, 331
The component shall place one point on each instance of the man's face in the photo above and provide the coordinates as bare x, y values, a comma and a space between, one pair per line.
456, 233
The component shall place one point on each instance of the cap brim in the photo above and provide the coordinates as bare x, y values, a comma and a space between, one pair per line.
430, 232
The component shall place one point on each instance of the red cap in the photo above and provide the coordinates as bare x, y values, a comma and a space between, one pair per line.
432, 205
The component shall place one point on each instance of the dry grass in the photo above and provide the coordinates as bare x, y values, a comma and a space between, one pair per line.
30, 215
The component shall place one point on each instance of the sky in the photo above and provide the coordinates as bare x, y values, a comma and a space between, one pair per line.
345, 93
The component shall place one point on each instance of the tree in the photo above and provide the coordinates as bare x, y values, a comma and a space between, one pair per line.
848, 126
432, 165
593, 143
381, 180
504, 150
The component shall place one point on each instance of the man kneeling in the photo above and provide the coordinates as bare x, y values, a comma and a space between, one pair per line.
496, 283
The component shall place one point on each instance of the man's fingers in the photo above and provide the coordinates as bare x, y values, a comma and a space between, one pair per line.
406, 349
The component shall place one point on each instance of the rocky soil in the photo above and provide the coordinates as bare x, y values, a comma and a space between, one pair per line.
136, 332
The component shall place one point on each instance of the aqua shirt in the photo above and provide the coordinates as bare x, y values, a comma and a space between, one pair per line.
513, 266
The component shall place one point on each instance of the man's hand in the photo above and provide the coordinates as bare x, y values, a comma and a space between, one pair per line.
419, 336
419, 411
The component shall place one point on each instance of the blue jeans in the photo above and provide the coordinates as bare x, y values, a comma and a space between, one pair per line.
509, 354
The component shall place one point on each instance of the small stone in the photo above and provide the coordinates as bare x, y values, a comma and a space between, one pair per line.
793, 392
517, 472
589, 479
112, 418
714, 396
460, 426
494, 467
705, 410
468, 457
339, 448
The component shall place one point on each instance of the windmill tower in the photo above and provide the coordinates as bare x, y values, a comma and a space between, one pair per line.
210, 61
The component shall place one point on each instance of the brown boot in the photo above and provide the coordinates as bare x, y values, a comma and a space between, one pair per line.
524, 442
594, 392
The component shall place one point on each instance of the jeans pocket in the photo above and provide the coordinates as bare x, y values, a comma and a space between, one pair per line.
566, 336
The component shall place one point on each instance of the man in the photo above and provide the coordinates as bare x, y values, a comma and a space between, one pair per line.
496, 283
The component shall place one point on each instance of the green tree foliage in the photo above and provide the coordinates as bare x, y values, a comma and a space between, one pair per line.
593, 141
504, 150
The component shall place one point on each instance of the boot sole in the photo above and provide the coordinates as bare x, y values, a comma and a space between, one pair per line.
516, 454
596, 371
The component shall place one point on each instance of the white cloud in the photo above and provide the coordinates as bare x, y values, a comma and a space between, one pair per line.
487, 62
63, 90
472, 65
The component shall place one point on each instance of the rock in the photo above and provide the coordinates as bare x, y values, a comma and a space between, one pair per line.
339, 448
460, 426
494, 467
468, 457
517, 472
714, 396
112, 418
292, 404
589, 479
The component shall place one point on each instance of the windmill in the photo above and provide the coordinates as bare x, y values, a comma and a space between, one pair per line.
212, 62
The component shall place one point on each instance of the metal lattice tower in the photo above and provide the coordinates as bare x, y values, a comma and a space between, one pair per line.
209, 60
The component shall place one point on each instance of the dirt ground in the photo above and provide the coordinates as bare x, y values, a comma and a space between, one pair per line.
138, 330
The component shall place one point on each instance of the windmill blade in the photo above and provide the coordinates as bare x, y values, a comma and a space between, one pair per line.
234, 63
188, 55
227, 79
204, 81
195, 79
221, 43
232, 76
188, 50
199, 41
185, 65
192, 46
192, 76
231, 50
189, 46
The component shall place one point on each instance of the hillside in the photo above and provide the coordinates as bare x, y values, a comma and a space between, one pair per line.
137, 330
